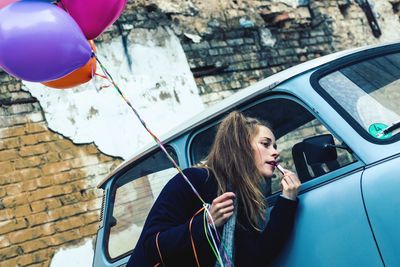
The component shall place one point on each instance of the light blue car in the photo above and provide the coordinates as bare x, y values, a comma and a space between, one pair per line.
337, 124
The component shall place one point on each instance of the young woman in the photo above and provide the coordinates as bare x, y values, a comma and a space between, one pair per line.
243, 155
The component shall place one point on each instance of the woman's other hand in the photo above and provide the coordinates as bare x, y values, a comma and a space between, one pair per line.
290, 185
222, 208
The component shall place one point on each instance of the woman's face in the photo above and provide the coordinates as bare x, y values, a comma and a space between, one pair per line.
265, 152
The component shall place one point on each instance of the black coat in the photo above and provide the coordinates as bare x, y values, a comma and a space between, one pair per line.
172, 211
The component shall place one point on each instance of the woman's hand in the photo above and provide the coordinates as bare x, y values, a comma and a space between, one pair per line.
290, 184
222, 208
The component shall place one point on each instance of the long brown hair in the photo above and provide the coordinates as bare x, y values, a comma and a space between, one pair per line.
231, 159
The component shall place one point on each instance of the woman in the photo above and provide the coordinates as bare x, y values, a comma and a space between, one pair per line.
243, 155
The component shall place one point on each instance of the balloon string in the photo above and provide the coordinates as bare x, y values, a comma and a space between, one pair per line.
159, 143
213, 227
108, 76
102, 76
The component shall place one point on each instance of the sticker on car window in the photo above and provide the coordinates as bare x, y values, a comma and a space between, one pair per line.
376, 130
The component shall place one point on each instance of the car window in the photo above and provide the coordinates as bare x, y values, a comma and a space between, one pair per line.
369, 92
135, 192
292, 124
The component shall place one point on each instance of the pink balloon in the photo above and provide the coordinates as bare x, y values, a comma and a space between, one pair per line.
94, 16
4, 3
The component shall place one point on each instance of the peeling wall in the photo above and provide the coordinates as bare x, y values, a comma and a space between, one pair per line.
55, 145
159, 85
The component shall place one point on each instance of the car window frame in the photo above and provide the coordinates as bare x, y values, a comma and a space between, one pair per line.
346, 61
316, 182
112, 189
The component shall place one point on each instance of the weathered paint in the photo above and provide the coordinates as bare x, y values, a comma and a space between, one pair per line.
160, 86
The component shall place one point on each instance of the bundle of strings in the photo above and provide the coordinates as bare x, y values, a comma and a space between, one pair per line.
227, 246
222, 261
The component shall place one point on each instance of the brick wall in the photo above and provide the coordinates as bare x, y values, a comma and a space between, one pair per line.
48, 198
232, 44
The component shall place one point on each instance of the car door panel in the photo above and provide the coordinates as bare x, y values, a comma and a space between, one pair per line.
380, 185
332, 228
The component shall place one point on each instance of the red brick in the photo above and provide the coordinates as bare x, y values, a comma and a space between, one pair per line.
33, 150
91, 149
6, 214
35, 127
35, 245
20, 175
23, 210
33, 139
9, 262
103, 158
52, 157
67, 154
14, 201
89, 230
6, 167
9, 143
4, 241
61, 178
10, 252
30, 185
27, 162
41, 264
55, 167
72, 210
2, 192
69, 223
47, 193
12, 225
84, 161
30, 173
30, 233
13, 189
35, 257
91, 217
40, 218
8, 154
12, 131
64, 144
65, 237
45, 205
45, 181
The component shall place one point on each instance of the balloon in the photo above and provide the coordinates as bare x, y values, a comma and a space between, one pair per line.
94, 16
40, 42
4, 3
77, 77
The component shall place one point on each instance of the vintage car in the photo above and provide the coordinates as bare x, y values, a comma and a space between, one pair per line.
336, 121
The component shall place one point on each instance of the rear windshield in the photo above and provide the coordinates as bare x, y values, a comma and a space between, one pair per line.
369, 92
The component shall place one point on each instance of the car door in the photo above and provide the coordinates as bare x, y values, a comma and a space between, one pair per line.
365, 90
127, 199
331, 225
380, 185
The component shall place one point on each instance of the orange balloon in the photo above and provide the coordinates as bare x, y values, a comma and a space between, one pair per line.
77, 77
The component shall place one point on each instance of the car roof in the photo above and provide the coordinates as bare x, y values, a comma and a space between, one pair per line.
237, 98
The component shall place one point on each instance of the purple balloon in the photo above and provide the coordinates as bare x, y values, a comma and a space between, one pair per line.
40, 42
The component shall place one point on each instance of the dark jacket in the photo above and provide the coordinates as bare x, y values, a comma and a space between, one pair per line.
172, 211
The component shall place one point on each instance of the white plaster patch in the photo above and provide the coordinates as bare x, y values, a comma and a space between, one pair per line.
160, 86
292, 3
267, 39
81, 256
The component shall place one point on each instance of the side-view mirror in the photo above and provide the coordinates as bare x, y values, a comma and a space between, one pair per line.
319, 149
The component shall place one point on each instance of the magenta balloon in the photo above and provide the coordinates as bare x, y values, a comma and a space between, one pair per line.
40, 42
4, 3
94, 16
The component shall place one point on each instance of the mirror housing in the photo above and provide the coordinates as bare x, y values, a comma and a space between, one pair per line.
319, 149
